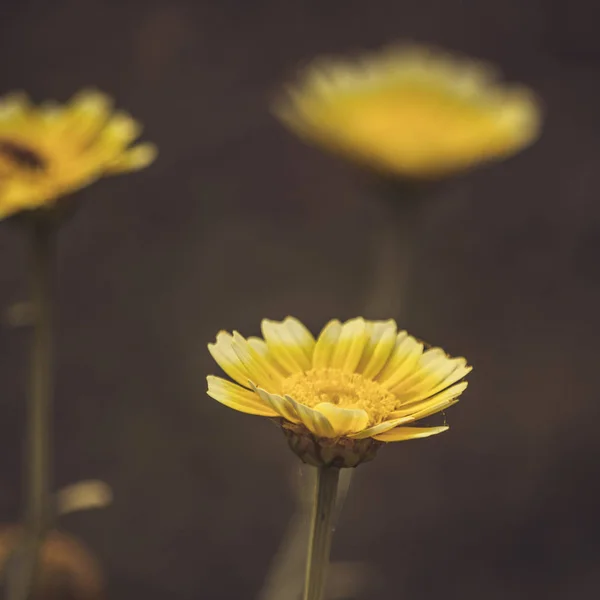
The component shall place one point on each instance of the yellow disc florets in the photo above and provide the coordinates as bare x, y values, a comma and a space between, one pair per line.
346, 390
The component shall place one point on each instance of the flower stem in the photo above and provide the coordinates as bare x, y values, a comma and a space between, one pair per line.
38, 451
401, 212
286, 574
321, 533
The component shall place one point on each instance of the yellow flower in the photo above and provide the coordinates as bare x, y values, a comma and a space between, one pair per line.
410, 111
51, 150
359, 382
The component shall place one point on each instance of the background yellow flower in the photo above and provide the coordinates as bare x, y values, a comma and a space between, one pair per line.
411, 111
360, 379
51, 150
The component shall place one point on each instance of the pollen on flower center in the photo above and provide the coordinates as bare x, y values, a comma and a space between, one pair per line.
346, 390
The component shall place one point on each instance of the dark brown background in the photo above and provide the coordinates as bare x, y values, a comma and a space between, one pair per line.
238, 220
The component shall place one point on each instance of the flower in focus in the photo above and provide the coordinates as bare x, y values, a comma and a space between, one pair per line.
51, 150
360, 383
410, 111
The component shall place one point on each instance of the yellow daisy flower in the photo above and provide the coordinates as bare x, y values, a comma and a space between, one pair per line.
410, 111
51, 150
360, 383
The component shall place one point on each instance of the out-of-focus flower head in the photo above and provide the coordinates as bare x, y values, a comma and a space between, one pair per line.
50, 150
410, 111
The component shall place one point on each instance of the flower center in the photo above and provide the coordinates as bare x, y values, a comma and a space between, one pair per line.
346, 390
21, 156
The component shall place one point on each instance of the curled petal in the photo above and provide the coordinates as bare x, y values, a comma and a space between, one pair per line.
343, 420
238, 398
282, 406
313, 420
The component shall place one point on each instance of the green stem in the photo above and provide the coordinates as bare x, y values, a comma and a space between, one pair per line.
400, 207
394, 246
321, 534
286, 574
39, 409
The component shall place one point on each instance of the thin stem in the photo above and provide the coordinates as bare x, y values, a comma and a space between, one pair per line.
40, 400
286, 574
321, 533
39, 409
394, 249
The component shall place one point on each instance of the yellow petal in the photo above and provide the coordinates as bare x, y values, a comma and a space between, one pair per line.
18, 195
409, 433
260, 347
402, 362
343, 420
350, 345
118, 133
91, 102
439, 406
290, 343
432, 368
459, 372
380, 428
238, 398
223, 353
295, 412
325, 345
424, 408
85, 116
304, 338
52, 116
313, 420
259, 370
13, 107
378, 349
134, 159
282, 406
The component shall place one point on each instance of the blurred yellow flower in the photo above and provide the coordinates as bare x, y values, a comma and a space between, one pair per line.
410, 111
51, 150
360, 380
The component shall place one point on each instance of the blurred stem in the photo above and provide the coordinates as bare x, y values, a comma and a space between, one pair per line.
38, 453
321, 532
394, 243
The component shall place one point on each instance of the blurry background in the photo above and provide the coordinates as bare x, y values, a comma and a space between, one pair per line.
238, 220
